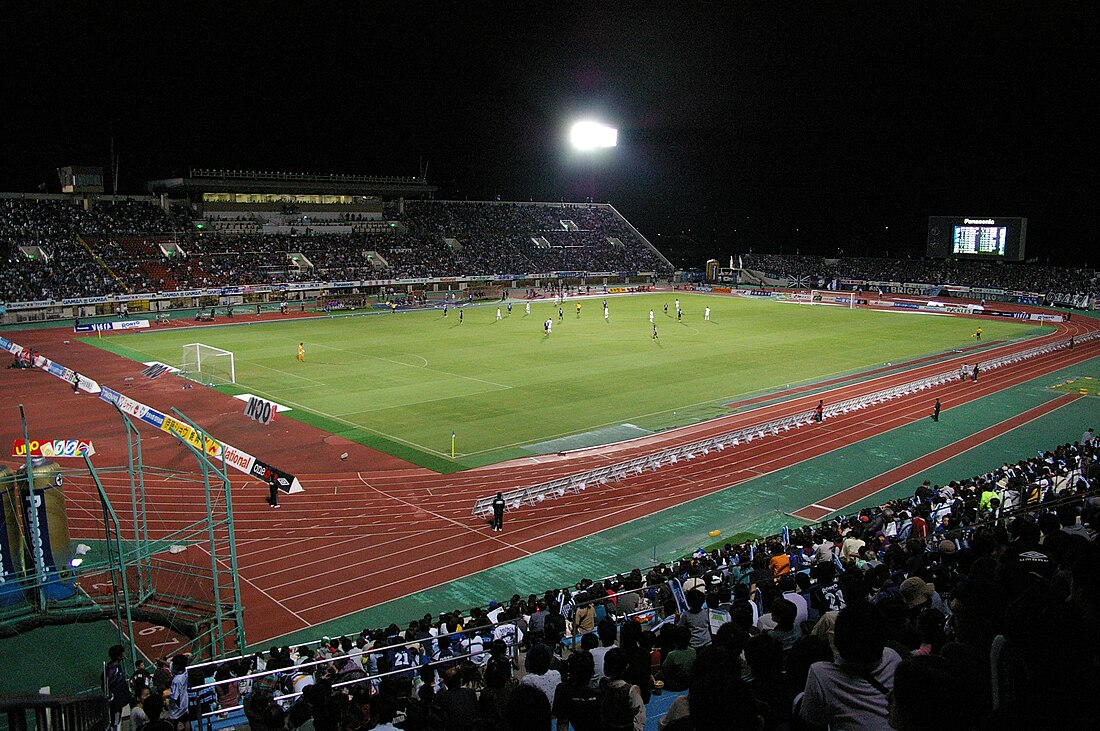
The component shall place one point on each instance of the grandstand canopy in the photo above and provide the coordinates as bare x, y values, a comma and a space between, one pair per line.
202, 181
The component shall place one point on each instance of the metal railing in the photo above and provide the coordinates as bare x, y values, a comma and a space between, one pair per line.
579, 482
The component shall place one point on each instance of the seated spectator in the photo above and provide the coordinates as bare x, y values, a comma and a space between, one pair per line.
717, 698
676, 668
621, 706
850, 693
539, 675
456, 707
576, 701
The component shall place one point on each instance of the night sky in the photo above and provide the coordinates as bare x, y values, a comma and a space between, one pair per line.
771, 126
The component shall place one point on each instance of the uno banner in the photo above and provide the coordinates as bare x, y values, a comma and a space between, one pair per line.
259, 410
52, 448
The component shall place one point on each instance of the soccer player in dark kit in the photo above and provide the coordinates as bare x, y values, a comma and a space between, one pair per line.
498, 512
936, 411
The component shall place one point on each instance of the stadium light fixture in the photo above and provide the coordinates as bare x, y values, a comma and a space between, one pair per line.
592, 135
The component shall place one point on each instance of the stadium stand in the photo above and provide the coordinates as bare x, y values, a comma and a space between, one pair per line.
112, 248
1023, 277
955, 602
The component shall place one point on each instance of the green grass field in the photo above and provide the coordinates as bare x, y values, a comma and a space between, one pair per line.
402, 382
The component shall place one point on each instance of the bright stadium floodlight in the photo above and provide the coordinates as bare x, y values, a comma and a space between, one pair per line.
592, 135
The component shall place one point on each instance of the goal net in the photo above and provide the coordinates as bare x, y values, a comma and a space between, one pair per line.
207, 364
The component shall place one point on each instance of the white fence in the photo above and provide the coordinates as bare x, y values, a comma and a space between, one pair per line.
534, 494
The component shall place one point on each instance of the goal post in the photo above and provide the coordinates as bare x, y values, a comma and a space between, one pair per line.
207, 364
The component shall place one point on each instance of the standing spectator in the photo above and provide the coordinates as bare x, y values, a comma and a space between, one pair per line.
138, 717
115, 684
177, 696
140, 678
696, 620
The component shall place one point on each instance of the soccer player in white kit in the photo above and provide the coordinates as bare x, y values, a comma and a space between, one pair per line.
651, 317
550, 326
605, 312
528, 309
677, 305
706, 314
498, 313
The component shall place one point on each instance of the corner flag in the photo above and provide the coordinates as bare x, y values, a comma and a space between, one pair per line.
452, 445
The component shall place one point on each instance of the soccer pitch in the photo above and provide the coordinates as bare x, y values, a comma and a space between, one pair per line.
403, 382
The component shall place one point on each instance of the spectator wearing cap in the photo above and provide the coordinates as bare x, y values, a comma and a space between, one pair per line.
919, 595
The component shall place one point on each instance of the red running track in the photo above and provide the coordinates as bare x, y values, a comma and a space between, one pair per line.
354, 541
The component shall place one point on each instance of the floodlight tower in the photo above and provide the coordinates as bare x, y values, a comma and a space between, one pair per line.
589, 137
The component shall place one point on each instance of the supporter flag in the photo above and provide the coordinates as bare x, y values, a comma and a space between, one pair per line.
740, 263
785, 536
752, 551
839, 565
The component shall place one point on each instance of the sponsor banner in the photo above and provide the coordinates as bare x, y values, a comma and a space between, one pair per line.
722, 290
188, 433
1002, 313
52, 448
136, 409
344, 284
1040, 317
1028, 300
286, 482
261, 410
761, 293
852, 282
229, 455
238, 459
86, 300
616, 290
906, 305
35, 519
30, 305
105, 326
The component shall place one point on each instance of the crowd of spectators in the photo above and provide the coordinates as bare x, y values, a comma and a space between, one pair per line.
433, 239
974, 604
69, 268
492, 239
968, 273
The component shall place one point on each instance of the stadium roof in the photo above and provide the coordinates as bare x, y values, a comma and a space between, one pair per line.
202, 180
